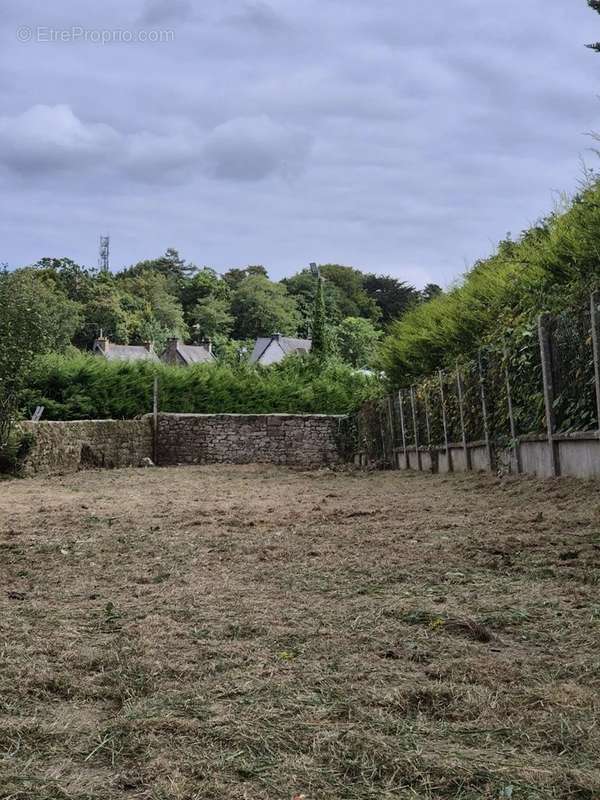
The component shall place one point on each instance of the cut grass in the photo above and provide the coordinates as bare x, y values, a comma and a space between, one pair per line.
262, 633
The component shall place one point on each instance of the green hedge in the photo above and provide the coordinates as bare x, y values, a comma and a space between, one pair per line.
550, 267
82, 386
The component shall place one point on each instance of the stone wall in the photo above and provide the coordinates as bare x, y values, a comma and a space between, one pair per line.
61, 447
303, 440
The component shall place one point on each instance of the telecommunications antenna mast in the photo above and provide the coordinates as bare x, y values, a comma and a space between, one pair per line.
103, 257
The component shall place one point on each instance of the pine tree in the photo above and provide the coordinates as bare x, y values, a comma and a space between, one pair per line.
595, 5
319, 326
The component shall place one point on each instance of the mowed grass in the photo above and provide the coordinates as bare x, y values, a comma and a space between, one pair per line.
256, 632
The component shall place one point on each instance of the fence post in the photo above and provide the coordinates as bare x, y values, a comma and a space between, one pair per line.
403, 429
392, 433
594, 299
511, 415
462, 419
155, 421
445, 423
546, 356
427, 421
484, 414
413, 404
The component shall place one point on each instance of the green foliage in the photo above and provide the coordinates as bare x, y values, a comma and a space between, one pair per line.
262, 308
13, 451
211, 317
552, 266
392, 296
87, 387
319, 332
35, 317
356, 341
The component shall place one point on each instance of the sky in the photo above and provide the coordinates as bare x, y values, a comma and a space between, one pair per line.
403, 137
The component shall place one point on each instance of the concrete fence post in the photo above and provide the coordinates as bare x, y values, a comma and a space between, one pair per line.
594, 300
459, 388
511, 415
413, 405
546, 356
484, 414
427, 419
392, 432
155, 454
403, 427
445, 423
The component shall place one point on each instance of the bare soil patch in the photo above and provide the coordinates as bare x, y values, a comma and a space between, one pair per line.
257, 632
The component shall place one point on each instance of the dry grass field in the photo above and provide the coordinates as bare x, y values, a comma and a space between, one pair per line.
246, 632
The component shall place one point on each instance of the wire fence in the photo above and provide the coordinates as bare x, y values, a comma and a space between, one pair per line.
541, 380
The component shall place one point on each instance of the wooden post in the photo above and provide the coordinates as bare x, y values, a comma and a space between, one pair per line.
594, 300
462, 419
403, 428
484, 414
546, 355
511, 415
413, 404
445, 423
155, 422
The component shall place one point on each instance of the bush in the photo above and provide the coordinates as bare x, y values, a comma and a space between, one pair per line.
13, 452
83, 386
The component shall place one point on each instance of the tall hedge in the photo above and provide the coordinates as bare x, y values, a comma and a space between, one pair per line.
82, 386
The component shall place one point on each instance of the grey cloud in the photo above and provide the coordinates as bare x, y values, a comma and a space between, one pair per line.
251, 148
416, 134
156, 12
259, 16
50, 139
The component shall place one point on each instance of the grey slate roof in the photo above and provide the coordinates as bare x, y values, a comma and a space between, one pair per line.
195, 354
287, 344
126, 352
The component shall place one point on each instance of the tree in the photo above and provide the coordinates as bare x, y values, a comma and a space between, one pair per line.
319, 332
301, 287
35, 318
430, 291
353, 300
235, 277
262, 308
211, 317
170, 265
393, 297
595, 5
357, 341
156, 312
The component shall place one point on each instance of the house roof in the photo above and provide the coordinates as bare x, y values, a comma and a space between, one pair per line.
287, 344
195, 353
127, 352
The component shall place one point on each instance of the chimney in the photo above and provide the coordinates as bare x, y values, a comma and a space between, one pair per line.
148, 346
102, 344
207, 343
275, 337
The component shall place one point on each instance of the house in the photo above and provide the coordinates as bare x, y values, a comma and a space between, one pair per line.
184, 355
123, 352
276, 348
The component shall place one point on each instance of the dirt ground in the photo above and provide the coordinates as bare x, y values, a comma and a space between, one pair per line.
257, 632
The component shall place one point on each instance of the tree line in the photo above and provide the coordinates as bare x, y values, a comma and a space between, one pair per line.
56, 302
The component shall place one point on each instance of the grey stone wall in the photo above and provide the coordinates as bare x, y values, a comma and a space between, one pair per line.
303, 440
62, 447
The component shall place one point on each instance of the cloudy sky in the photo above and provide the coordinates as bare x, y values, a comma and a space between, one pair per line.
399, 136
